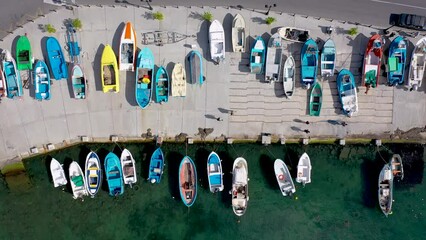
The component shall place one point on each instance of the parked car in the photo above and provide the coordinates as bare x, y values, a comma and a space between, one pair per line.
411, 21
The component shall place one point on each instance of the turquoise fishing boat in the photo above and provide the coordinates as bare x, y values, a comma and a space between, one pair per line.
162, 86
72, 44
214, 173
309, 59
41, 81
188, 181
12, 76
57, 63
347, 92
257, 56
144, 77
114, 175
78, 81
328, 59
156, 166
196, 67
396, 61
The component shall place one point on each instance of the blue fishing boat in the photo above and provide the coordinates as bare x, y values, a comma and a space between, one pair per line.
214, 173
161, 85
309, 58
396, 61
257, 56
196, 67
57, 63
114, 175
93, 173
11, 75
144, 77
328, 59
72, 44
156, 166
41, 81
347, 92
188, 181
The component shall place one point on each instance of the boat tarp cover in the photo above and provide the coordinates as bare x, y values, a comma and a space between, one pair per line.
393, 62
240, 176
370, 78
78, 181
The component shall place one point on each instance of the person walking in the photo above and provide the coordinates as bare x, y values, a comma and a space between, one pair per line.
307, 131
219, 119
307, 122
344, 124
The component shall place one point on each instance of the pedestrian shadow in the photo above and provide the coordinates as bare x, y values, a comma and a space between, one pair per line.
298, 120
333, 122
223, 110
196, 15
258, 20
297, 129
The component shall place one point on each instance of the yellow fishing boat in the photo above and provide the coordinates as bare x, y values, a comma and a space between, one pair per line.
109, 71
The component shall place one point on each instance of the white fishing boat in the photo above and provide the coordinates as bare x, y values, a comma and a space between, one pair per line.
238, 34
417, 65
304, 169
58, 174
77, 180
178, 81
285, 182
127, 50
397, 167
129, 168
289, 77
328, 59
386, 189
273, 58
239, 186
294, 34
217, 41
214, 172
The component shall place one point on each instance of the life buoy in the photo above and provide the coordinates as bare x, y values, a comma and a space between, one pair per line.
146, 80
281, 177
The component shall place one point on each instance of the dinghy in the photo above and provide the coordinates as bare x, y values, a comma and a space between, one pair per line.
77, 180
397, 167
257, 56
386, 189
160, 38
372, 62
128, 167
144, 77
289, 77
328, 59
417, 65
285, 182
347, 92
41, 81
72, 44
93, 173
273, 58
178, 81
57, 63
214, 173
196, 67
3, 87
11, 75
188, 181
113, 175
58, 174
293, 34
217, 42
24, 56
78, 81
127, 50
161, 85
109, 71
304, 169
315, 100
396, 61
239, 190
238, 34
156, 166
309, 58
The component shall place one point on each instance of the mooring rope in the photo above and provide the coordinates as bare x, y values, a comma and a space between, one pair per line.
270, 152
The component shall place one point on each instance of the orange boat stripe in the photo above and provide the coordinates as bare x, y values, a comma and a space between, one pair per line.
128, 35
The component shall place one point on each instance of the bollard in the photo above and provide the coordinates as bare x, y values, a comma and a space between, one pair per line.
34, 150
190, 140
84, 138
266, 139
342, 142
114, 138
282, 140
305, 141
378, 142
50, 147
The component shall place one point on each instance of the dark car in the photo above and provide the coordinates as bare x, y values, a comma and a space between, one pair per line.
412, 21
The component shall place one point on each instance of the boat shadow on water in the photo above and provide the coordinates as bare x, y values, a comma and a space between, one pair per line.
66, 165
227, 163
266, 164
173, 160
201, 156
145, 157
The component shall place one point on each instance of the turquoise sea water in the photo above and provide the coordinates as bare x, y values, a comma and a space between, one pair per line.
340, 203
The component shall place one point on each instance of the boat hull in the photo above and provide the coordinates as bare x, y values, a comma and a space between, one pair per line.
57, 63
128, 167
127, 50
144, 77
77, 179
58, 174
24, 57
196, 67
347, 92
41, 81
238, 34
240, 196
214, 173
217, 42
93, 173
417, 65
257, 56
156, 166
78, 82
188, 181
114, 174
304, 169
178, 81
283, 176
396, 61
309, 58
315, 100
162, 86
11, 76
372, 62
109, 71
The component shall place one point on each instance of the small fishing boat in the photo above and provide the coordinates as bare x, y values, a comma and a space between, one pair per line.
417, 65
161, 85
109, 71
78, 81
328, 59
11, 75
178, 81
196, 67
72, 44
239, 191
293, 34
238, 34
315, 100
3, 87
114, 174
304, 169
309, 58
127, 50
188, 181
93, 173
257, 56
396, 61
144, 77
289, 75
128, 167
273, 58
285, 182
397, 167
160, 38
41, 81
24, 56
386, 189
156, 166
347, 92
217, 41
372, 62
57, 63
58, 174
77, 180
214, 172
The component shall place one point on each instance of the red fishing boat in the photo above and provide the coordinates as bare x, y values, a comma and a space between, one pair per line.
372, 62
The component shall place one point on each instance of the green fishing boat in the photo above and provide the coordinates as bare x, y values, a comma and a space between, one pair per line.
315, 101
24, 56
